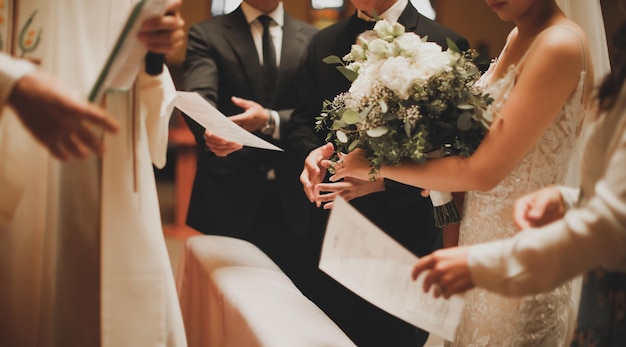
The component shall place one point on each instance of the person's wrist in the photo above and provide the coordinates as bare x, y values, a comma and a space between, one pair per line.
270, 125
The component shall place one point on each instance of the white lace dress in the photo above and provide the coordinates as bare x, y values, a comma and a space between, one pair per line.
534, 321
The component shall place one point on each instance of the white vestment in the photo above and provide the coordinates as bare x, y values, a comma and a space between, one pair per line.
83, 256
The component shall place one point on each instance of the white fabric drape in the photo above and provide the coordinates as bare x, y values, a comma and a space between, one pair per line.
588, 15
83, 262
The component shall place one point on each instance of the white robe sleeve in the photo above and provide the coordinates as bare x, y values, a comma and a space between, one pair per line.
11, 70
537, 260
157, 94
11, 174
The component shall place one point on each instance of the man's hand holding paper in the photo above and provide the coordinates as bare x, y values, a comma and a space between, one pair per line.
223, 134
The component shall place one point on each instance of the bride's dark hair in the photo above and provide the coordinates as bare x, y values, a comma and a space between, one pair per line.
613, 82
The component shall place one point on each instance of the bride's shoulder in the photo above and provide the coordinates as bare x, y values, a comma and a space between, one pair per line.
563, 42
565, 36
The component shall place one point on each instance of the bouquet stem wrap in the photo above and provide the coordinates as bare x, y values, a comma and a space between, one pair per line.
444, 208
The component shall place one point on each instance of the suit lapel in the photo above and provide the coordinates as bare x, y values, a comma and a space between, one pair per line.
409, 18
240, 39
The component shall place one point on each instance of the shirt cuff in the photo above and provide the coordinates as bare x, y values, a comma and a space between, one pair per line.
11, 70
485, 263
570, 196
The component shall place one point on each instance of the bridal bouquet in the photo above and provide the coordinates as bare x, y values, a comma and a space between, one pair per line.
409, 99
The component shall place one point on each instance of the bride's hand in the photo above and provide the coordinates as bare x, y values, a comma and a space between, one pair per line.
349, 189
353, 164
539, 208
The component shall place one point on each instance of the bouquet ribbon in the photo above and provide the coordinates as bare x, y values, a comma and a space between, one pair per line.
444, 208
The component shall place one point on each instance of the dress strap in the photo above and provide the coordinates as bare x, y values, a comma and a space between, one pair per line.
580, 39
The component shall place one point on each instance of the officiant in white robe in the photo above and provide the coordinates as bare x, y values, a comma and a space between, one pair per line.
83, 260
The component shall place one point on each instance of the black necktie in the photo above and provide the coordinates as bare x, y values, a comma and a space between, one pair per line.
269, 58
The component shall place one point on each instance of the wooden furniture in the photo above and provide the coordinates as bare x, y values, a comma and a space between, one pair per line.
184, 144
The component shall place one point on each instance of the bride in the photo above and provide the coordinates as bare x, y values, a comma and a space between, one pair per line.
540, 83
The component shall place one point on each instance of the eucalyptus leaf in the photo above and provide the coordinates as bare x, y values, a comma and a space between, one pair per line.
378, 131
332, 59
407, 129
464, 123
383, 106
366, 111
341, 136
389, 116
351, 117
465, 106
353, 145
452, 46
349, 74
338, 124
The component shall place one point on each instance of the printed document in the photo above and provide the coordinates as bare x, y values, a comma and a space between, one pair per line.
205, 114
364, 259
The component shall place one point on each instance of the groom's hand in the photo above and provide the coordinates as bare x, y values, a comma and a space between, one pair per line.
313, 172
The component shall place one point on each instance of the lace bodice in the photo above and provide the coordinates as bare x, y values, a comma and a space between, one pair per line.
545, 164
489, 319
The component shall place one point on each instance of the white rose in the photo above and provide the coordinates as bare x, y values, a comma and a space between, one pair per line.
357, 53
398, 29
388, 31
384, 30
355, 66
398, 75
379, 48
407, 45
366, 37
362, 85
431, 59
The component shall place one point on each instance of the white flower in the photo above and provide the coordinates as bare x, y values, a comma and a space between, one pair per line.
408, 45
388, 31
362, 86
357, 53
378, 48
356, 67
398, 75
365, 37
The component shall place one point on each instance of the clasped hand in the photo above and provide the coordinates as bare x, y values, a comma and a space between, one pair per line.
317, 164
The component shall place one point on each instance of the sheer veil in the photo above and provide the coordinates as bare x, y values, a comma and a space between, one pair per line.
588, 15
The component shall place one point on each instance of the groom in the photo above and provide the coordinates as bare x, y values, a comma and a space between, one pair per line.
398, 209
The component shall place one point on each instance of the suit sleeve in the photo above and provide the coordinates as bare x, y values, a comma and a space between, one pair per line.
300, 135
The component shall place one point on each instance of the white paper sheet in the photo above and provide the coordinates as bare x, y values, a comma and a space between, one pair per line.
200, 110
364, 259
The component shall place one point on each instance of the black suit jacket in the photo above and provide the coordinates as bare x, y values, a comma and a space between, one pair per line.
400, 210
221, 61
